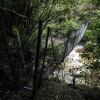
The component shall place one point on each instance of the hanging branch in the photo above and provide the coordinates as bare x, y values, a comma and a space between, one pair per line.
37, 28
43, 10
9, 10
14, 12
49, 21
43, 22
30, 35
49, 13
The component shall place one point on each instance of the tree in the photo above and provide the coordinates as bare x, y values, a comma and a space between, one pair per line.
92, 49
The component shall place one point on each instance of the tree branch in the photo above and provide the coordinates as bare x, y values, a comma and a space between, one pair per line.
9, 10
43, 9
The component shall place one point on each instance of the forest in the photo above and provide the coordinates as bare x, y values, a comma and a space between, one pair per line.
36, 37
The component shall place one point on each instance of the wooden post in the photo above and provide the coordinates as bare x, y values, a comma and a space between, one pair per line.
74, 41
45, 50
22, 54
37, 59
52, 46
73, 80
23, 70
66, 45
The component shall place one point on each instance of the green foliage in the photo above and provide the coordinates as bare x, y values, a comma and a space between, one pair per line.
96, 2
89, 47
71, 24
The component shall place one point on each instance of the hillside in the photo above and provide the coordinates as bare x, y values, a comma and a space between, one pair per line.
56, 90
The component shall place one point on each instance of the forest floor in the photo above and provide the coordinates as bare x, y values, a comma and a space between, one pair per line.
57, 90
